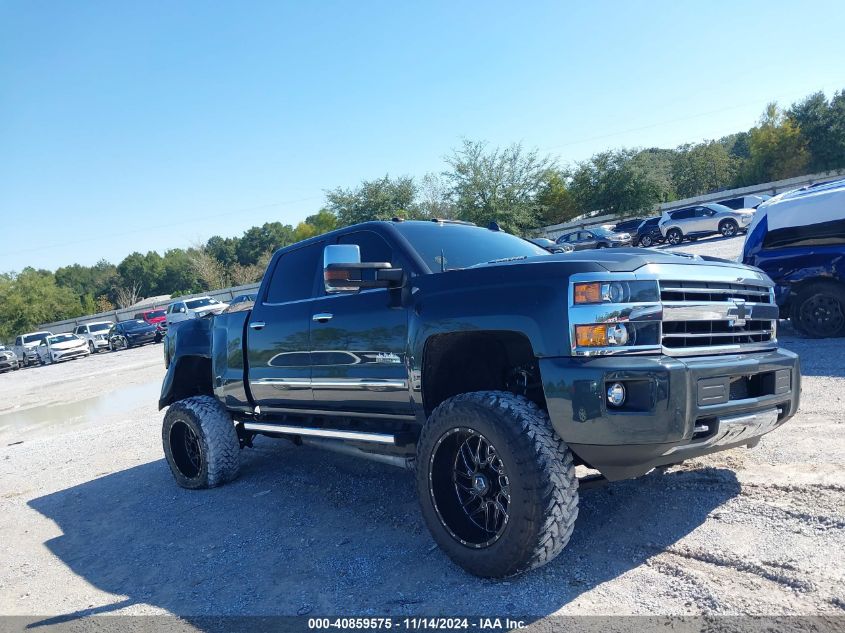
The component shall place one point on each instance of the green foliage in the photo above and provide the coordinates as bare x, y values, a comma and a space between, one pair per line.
498, 184
33, 297
776, 147
702, 168
822, 124
616, 183
555, 202
379, 199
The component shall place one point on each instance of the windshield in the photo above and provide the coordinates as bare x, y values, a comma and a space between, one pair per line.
193, 304
449, 246
720, 208
99, 327
135, 324
156, 314
60, 338
603, 232
34, 338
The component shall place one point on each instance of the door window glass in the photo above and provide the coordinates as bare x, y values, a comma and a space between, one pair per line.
294, 274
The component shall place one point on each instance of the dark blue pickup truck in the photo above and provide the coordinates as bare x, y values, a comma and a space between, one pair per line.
486, 364
798, 240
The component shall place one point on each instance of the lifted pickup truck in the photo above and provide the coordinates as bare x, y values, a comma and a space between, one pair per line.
489, 366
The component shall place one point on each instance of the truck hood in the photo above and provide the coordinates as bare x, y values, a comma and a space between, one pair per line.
619, 260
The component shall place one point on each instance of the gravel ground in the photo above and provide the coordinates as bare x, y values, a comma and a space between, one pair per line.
99, 527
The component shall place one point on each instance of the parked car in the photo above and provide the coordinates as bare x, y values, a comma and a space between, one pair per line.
488, 366
8, 360
59, 347
648, 233
595, 237
198, 307
156, 317
238, 302
97, 334
126, 334
26, 347
798, 239
703, 219
552, 246
745, 202
627, 226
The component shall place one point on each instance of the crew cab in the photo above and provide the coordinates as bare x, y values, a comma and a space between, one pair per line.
488, 366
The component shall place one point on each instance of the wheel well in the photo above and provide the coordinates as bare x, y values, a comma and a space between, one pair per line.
478, 361
191, 377
798, 287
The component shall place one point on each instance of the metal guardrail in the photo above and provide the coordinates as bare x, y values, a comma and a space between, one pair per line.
770, 188
123, 314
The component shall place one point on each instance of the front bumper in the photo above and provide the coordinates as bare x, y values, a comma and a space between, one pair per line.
8, 363
100, 343
677, 408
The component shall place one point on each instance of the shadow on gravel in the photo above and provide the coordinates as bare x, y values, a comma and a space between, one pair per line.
308, 532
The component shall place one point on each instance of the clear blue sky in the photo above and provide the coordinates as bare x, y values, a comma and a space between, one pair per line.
149, 125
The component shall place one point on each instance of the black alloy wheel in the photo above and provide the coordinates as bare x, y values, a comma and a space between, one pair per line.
820, 311
472, 503
186, 448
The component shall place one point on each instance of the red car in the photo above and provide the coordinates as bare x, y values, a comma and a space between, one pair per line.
155, 317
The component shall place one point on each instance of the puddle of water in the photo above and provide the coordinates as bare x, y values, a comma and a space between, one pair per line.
49, 420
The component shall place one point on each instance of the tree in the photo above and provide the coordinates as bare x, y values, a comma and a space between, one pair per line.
179, 276
822, 124
223, 249
613, 182
434, 198
323, 221
555, 203
498, 184
777, 150
262, 239
31, 298
207, 268
702, 168
128, 295
379, 199
142, 271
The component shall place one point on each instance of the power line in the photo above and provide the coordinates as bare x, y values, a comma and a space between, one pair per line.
204, 218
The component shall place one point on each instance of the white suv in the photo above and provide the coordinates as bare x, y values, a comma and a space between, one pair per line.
703, 219
97, 334
195, 308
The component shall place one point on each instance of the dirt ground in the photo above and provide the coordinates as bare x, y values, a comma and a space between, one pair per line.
92, 523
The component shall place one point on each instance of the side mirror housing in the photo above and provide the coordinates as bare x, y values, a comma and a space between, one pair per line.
343, 270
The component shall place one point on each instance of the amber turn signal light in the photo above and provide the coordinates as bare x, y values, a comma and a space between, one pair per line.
588, 293
591, 335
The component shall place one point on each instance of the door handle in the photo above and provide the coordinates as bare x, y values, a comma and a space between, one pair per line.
322, 317
257, 325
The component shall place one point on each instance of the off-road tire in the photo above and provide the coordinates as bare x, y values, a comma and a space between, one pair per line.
674, 236
829, 298
217, 440
543, 488
728, 228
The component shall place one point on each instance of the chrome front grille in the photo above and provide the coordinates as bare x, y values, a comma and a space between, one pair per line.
705, 317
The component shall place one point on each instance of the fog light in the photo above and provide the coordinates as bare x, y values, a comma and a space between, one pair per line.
616, 394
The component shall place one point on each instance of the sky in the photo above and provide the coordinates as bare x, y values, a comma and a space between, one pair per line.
136, 126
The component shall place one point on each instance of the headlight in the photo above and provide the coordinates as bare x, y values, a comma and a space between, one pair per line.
621, 315
615, 292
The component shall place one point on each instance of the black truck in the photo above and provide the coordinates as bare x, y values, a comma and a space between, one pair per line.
489, 366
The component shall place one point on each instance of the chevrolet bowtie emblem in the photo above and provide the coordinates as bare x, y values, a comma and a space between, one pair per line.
742, 313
